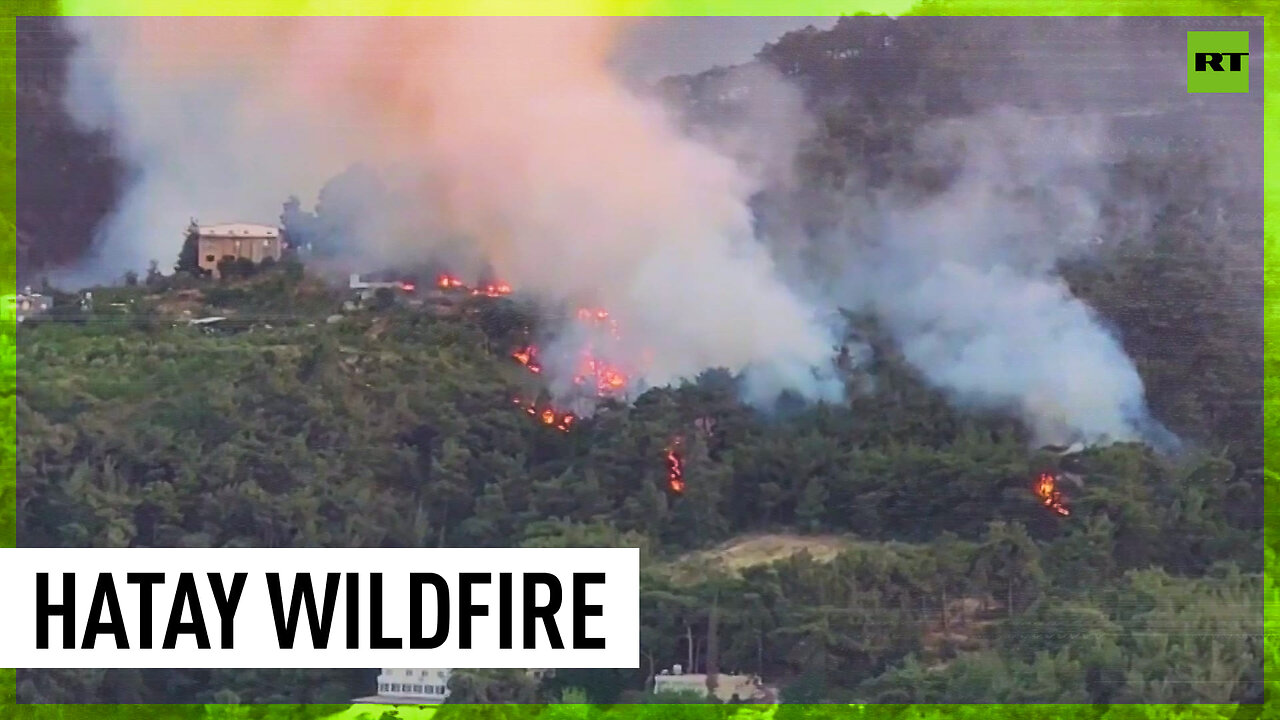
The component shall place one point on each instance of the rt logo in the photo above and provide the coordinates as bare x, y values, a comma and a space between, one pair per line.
1217, 62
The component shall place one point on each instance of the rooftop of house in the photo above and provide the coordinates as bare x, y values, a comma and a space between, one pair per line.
238, 230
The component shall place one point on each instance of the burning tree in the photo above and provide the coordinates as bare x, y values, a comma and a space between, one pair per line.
675, 467
594, 378
1047, 490
547, 415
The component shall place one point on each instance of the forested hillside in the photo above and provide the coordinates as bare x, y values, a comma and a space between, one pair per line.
936, 572
394, 428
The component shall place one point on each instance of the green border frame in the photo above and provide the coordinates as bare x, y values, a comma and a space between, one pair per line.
1269, 11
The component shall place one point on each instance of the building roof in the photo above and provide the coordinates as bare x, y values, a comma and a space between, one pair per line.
238, 230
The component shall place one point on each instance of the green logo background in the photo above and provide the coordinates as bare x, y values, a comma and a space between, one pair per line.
1213, 81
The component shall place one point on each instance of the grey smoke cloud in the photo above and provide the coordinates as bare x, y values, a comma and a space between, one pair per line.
518, 138
966, 279
512, 133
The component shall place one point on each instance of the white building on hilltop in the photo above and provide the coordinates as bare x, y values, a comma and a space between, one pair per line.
249, 241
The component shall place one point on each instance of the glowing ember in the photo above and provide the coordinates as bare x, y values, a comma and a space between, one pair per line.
597, 317
551, 417
675, 468
527, 356
496, 290
607, 379
408, 286
1050, 496
449, 282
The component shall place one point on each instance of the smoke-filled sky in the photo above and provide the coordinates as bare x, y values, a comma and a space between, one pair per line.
517, 132
654, 48
966, 279
523, 138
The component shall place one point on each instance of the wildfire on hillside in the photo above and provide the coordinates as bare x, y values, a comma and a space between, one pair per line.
548, 416
675, 468
597, 316
528, 356
494, 290
1052, 498
594, 374
449, 282
608, 379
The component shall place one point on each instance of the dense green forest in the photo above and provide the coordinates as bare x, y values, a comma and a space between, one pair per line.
926, 571
945, 579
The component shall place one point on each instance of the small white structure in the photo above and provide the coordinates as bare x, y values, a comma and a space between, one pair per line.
410, 686
420, 686
747, 688
366, 289
26, 303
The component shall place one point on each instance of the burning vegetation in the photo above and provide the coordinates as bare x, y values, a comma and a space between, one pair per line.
675, 468
594, 374
527, 356
494, 289
449, 282
549, 416
1052, 498
601, 377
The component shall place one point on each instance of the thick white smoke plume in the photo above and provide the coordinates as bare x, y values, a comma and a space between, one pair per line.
515, 136
967, 279
525, 143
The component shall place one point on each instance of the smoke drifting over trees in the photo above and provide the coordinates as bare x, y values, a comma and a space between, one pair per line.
870, 166
1035, 233
511, 133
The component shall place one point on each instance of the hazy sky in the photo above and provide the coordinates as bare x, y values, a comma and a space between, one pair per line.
657, 47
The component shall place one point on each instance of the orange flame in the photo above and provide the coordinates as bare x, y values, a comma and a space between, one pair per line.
549, 416
496, 290
675, 469
527, 356
1050, 496
609, 380
449, 282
